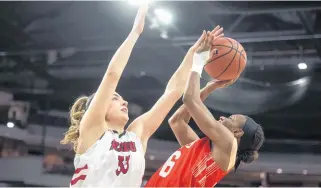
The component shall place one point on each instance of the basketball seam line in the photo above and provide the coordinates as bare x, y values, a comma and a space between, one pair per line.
232, 49
236, 51
219, 56
222, 55
238, 70
237, 46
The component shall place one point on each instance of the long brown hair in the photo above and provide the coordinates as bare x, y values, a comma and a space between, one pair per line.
77, 111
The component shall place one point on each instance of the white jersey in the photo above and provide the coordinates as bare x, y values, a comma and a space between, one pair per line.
113, 161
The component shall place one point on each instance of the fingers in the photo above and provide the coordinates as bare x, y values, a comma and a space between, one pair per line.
209, 39
143, 9
203, 44
220, 83
139, 22
228, 82
201, 39
219, 36
141, 13
206, 38
215, 29
218, 32
209, 84
224, 83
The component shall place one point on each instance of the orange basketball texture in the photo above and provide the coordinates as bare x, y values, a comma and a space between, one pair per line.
230, 61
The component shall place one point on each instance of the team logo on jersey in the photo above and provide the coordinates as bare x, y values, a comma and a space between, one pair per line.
123, 164
123, 146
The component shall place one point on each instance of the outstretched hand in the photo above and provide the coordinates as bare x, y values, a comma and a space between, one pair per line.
205, 42
216, 33
199, 42
139, 22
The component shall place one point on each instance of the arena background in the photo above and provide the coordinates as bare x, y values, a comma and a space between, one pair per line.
52, 52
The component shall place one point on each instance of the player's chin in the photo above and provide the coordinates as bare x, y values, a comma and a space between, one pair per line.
125, 117
224, 123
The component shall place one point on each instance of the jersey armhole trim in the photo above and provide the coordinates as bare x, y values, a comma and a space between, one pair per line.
91, 147
211, 144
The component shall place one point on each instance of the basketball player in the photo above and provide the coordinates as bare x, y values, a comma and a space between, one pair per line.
106, 154
229, 141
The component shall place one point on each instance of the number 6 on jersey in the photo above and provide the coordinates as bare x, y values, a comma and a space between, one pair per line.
168, 166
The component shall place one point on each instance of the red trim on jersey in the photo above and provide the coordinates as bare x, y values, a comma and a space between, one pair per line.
80, 169
81, 177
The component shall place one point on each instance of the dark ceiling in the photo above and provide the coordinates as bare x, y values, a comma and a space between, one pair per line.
51, 52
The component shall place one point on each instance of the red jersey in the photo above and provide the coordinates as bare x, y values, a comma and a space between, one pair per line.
190, 166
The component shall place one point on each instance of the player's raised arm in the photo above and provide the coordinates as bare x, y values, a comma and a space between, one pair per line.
96, 112
179, 120
146, 125
223, 139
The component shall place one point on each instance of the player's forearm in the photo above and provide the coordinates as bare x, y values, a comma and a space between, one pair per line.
99, 105
192, 91
182, 113
119, 60
183, 133
178, 81
205, 92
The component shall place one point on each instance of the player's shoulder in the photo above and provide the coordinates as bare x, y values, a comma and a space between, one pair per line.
201, 140
197, 143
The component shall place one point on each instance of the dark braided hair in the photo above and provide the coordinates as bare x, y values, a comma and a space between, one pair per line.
250, 142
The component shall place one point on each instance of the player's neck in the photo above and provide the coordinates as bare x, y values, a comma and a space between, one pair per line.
115, 127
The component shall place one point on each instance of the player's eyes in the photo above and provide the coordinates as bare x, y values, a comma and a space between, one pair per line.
115, 98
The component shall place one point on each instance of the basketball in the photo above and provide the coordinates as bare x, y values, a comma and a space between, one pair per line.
229, 61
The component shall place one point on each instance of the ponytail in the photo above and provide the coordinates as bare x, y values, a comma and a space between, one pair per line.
77, 111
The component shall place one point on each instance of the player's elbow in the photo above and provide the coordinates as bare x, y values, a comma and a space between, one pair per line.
113, 75
172, 94
172, 121
178, 88
189, 100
